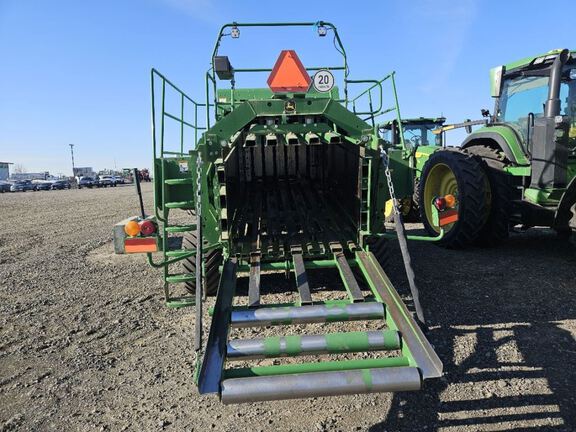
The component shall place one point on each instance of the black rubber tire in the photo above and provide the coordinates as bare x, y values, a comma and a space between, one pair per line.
413, 215
212, 262
472, 206
497, 226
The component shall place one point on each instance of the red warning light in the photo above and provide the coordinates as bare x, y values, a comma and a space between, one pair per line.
289, 74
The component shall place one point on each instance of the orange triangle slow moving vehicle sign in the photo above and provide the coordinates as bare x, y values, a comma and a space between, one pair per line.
289, 74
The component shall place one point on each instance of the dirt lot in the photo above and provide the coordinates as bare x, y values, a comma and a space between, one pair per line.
86, 343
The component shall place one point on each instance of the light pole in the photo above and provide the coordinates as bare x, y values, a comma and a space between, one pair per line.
72, 153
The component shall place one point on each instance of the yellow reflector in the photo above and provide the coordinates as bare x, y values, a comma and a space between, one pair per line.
388, 208
132, 228
450, 200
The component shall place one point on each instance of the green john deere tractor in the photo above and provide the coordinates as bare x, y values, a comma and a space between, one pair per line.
518, 169
421, 139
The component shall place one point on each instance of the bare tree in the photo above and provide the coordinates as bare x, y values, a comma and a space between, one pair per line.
19, 169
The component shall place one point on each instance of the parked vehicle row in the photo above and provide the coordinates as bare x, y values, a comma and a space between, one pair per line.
23, 186
29, 185
102, 181
5, 186
40, 185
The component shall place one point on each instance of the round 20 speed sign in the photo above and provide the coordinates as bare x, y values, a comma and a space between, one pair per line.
323, 81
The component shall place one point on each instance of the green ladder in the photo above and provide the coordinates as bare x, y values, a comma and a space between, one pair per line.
177, 193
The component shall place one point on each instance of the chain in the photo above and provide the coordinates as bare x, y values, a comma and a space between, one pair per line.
386, 163
401, 234
199, 260
198, 188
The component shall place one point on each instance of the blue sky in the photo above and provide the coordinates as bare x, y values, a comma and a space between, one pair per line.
78, 71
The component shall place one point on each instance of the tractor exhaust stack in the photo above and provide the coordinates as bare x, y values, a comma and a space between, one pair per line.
552, 107
549, 140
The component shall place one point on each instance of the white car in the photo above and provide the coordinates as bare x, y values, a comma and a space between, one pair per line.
107, 180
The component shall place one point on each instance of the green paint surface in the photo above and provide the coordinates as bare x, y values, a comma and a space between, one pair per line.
367, 378
293, 344
272, 346
327, 366
347, 342
509, 137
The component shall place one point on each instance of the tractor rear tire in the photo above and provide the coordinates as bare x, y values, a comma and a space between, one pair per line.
497, 226
212, 262
413, 215
463, 177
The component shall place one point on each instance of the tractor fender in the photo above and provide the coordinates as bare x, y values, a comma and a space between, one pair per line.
500, 137
563, 212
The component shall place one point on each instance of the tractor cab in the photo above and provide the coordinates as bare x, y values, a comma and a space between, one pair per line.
524, 87
417, 132
537, 98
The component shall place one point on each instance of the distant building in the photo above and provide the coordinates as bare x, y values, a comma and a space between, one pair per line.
30, 176
5, 170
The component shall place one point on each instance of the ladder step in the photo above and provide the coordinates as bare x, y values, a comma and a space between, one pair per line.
180, 253
332, 343
180, 228
317, 384
306, 314
179, 181
179, 204
180, 302
181, 277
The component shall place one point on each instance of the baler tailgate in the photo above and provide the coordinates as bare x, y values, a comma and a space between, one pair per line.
415, 361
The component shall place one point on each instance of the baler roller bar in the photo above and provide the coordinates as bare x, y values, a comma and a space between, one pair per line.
317, 384
332, 343
306, 314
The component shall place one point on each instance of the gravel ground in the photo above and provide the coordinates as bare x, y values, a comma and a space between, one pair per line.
86, 343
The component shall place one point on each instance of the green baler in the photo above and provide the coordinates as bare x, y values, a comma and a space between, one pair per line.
282, 179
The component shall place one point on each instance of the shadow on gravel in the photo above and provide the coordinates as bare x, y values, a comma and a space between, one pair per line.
502, 322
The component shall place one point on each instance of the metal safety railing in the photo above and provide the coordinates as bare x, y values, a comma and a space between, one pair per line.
375, 109
210, 76
165, 85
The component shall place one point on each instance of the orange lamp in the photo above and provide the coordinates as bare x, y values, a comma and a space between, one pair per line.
450, 200
132, 228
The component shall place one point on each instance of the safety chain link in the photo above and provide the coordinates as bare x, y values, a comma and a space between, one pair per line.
199, 261
386, 163
198, 183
